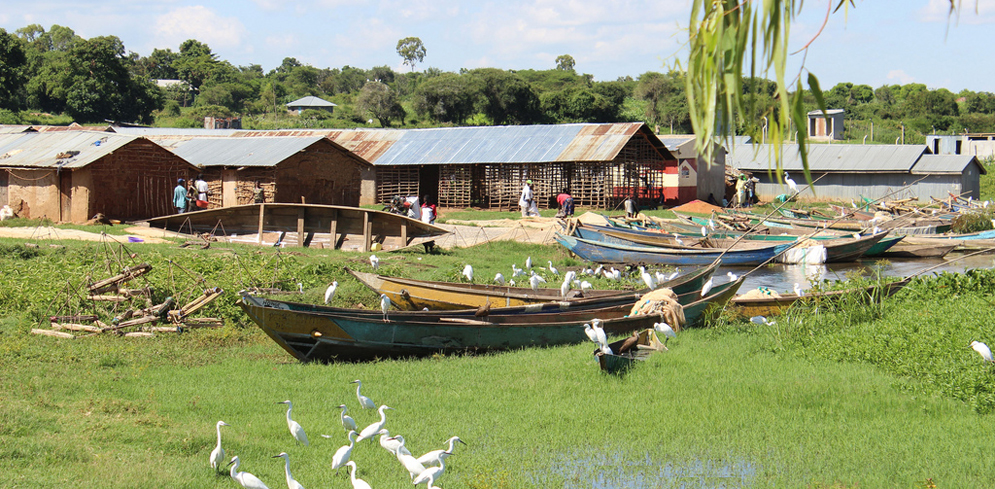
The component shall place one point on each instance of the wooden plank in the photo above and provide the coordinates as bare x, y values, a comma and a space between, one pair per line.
404, 233
300, 226
367, 232
333, 229
262, 215
49, 332
76, 327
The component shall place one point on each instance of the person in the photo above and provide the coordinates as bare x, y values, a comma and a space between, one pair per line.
202, 191
527, 198
741, 191
180, 196
751, 190
428, 210
631, 207
413, 207
566, 203
258, 196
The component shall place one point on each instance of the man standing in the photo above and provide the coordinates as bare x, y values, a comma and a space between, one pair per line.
525, 201
202, 190
566, 203
180, 196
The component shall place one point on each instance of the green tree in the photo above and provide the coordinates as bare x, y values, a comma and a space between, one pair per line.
380, 101
13, 63
505, 98
98, 85
196, 63
411, 50
447, 98
565, 62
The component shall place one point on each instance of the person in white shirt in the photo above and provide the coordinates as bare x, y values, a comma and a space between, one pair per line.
201, 187
527, 198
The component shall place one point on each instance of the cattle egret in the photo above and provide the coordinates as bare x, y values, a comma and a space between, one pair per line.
515, 271
673, 275
291, 482
707, 287
665, 330
602, 337
704, 232
330, 291
347, 422
374, 262
585, 285
647, 278
565, 288
218, 455
711, 224
856, 235
499, 278
528, 262
430, 474
616, 274
370, 431
553, 269
295, 428
408, 461
245, 479
468, 272
791, 183
732, 276
570, 276
798, 290
590, 332
762, 320
532, 273
435, 456
982, 350
384, 305
511, 282
342, 454
534, 282
364, 402
677, 239
356, 483
660, 278
597, 271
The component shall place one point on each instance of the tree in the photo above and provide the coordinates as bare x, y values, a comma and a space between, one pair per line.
505, 97
411, 49
97, 84
13, 62
446, 98
565, 62
381, 102
196, 63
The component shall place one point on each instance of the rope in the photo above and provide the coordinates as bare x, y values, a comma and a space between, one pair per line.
11, 172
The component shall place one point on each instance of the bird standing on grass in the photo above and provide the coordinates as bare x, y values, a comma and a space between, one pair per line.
435, 456
347, 422
762, 320
430, 474
468, 272
356, 483
244, 479
374, 262
218, 455
291, 482
515, 271
798, 290
534, 283
392, 443
364, 402
665, 330
342, 454
384, 305
647, 278
528, 263
553, 269
330, 291
409, 462
983, 350
295, 428
499, 278
370, 431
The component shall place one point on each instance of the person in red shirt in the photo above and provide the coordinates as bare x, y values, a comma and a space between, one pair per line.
566, 203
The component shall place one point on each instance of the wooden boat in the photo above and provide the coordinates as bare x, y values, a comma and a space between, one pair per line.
303, 219
600, 252
920, 249
771, 306
619, 363
311, 334
634, 237
415, 295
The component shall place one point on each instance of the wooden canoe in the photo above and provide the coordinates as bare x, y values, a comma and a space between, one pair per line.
415, 295
601, 252
315, 335
619, 363
772, 306
303, 219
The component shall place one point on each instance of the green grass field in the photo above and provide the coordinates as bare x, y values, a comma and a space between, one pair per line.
875, 396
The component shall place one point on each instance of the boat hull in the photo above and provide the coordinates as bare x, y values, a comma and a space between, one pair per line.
600, 252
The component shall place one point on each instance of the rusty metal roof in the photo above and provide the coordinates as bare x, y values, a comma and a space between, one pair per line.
851, 158
59, 149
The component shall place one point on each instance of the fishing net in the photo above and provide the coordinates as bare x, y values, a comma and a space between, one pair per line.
760, 293
661, 302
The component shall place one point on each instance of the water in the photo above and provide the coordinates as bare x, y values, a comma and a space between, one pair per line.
610, 470
782, 278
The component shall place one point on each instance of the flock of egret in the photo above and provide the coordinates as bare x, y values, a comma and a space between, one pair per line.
426, 469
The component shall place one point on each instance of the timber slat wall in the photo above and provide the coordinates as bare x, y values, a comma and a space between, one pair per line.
456, 186
398, 180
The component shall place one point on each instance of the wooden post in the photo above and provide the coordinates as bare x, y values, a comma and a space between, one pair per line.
262, 212
404, 233
334, 227
300, 226
367, 232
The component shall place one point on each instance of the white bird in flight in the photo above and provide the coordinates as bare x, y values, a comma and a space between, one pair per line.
468, 272
499, 278
295, 428
983, 350
347, 422
291, 482
374, 428
374, 262
330, 291
356, 483
218, 455
244, 479
364, 402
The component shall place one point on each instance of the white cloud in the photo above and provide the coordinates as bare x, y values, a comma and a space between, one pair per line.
900, 76
978, 12
200, 23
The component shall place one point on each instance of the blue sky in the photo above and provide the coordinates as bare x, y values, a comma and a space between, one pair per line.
878, 42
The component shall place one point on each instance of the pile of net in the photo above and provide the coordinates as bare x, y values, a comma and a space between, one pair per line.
661, 302
760, 293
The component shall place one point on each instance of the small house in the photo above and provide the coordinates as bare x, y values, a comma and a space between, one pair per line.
825, 126
310, 102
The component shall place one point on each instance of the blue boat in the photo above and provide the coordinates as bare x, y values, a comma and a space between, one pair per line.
600, 252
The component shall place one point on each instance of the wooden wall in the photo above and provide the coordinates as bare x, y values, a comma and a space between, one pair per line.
135, 182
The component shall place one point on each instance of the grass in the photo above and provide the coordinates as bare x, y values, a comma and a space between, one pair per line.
805, 403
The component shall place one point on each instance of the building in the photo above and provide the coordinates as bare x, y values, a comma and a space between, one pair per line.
696, 179
981, 145
310, 102
69, 176
845, 172
826, 126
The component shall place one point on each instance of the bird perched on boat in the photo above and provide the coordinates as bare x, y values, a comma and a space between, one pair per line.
528, 263
732, 276
591, 333
430, 474
665, 330
798, 290
330, 291
553, 269
647, 278
707, 287
565, 288
244, 479
677, 239
374, 262
435, 456
704, 232
585, 285
602, 337
356, 483
384, 305
711, 224
370, 431
515, 271
364, 402
673, 275
291, 482
295, 428
344, 452
409, 462
629, 342
347, 422
484, 310
499, 278
660, 278
983, 350
791, 183
218, 454
468, 272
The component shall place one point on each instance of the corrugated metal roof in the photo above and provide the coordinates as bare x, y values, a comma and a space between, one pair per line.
675, 141
930, 163
830, 157
152, 132
828, 111
258, 152
43, 150
15, 128
311, 101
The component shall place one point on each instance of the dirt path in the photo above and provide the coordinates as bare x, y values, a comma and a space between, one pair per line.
136, 234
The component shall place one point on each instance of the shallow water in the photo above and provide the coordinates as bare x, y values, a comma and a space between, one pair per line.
611, 471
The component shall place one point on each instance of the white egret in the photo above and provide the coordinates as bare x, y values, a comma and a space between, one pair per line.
678, 240
499, 278
295, 428
762, 320
528, 263
300, 287
344, 452
384, 305
347, 422
532, 273
511, 282
565, 288
356, 483
647, 278
585, 285
468, 272
732, 276
534, 282
392, 443
372, 430
244, 479
291, 482
364, 402
374, 262
602, 337
798, 290
875, 230
711, 224
616, 274
673, 275
436, 456
515, 271
704, 232
591, 334
791, 183
983, 350
856, 235
330, 291
597, 271
707, 287
409, 462
553, 269
430, 474
218, 454
570, 276
665, 330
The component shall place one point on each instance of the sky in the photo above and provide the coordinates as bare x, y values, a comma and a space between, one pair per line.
875, 42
